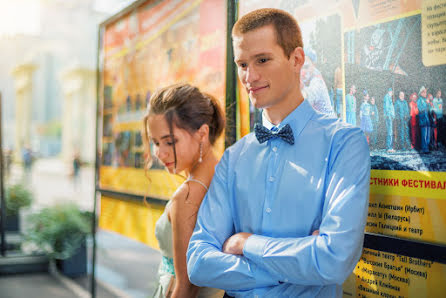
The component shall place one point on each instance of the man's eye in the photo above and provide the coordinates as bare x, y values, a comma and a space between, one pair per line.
263, 60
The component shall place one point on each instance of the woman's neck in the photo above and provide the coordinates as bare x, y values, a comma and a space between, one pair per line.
204, 170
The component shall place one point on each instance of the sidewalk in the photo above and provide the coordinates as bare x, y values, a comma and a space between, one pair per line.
124, 267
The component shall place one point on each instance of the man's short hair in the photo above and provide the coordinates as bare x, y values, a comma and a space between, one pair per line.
287, 30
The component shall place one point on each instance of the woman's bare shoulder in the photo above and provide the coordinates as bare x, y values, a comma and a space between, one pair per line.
189, 193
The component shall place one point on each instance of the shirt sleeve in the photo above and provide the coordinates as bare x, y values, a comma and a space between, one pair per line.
207, 265
330, 257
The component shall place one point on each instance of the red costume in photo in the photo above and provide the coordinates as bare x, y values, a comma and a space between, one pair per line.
413, 119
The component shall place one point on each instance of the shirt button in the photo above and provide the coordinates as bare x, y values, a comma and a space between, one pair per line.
275, 149
268, 210
271, 178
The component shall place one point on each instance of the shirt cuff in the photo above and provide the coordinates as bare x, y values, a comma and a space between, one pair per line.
254, 246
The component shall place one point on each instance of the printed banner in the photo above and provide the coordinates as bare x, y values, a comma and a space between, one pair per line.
381, 274
156, 44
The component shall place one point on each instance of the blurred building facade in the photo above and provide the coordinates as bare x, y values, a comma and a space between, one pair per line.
47, 78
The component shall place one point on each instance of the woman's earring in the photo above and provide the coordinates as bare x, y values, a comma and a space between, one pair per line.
200, 159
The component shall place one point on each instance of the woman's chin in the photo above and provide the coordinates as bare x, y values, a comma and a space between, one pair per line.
172, 170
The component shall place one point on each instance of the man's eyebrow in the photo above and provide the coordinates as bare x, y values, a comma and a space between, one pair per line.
263, 54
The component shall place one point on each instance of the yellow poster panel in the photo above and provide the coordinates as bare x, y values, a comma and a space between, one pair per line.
153, 183
409, 183
407, 217
381, 274
408, 204
131, 219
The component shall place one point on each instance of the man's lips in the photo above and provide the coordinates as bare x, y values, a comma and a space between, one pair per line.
257, 89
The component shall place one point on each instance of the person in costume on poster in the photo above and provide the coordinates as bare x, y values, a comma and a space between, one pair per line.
423, 119
433, 145
314, 88
286, 210
338, 92
350, 105
438, 109
389, 116
365, 112
375, 122
414, 127
402, 121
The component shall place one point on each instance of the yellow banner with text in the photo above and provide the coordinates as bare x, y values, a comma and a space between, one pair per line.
381, 274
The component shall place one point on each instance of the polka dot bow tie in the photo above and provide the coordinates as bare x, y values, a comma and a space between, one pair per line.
263, 134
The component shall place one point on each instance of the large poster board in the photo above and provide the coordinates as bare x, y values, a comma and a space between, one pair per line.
151, 45
383, 69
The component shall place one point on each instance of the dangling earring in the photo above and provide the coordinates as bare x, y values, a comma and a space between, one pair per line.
200, 159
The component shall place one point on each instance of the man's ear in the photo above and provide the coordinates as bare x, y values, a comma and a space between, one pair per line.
298, 57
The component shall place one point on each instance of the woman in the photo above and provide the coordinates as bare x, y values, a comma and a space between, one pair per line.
183, 124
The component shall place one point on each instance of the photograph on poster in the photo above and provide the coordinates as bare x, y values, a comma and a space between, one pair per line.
393, 97
321, 76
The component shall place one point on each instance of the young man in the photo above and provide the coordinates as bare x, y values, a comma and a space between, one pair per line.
286, 210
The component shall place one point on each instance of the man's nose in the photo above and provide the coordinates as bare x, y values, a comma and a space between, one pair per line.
252, 74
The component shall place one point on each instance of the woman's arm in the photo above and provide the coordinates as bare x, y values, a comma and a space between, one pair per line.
183, 214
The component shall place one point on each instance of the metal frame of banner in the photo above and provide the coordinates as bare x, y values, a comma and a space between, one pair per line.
2, 194
406, 247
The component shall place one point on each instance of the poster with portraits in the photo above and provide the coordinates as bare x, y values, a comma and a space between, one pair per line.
148, 46
381, 66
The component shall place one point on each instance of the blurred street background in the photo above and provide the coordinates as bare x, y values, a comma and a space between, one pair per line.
47, 85
124, 268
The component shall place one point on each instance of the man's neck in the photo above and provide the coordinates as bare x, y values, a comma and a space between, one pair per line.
276, 114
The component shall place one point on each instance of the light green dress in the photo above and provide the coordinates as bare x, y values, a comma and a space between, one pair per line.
166, 271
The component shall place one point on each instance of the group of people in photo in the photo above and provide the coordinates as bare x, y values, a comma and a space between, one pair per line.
412, 122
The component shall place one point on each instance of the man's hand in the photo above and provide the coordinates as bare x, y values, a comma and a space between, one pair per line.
234, 244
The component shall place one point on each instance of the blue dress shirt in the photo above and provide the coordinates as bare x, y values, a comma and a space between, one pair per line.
282, 193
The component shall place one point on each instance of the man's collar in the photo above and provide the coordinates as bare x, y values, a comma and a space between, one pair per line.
297, 118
